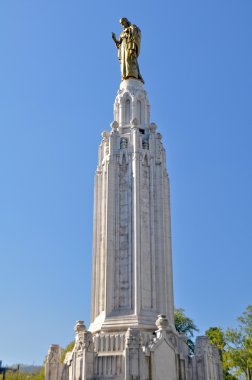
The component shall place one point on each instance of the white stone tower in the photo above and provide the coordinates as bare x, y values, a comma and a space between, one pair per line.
132, 334
132, 264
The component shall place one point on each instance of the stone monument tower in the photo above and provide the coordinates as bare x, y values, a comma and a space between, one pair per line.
132, 334
132, 269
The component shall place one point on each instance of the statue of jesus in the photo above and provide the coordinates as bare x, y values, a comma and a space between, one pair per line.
128, 47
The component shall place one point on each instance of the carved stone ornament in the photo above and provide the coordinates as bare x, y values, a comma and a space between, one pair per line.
134, 122
145, 144
123, 143
88, 343
114, 125
162, 322
153, 127
172, 339
133, 338
105, 135
53, 354
79, 327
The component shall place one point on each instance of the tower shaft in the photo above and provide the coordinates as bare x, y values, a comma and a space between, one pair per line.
132, 264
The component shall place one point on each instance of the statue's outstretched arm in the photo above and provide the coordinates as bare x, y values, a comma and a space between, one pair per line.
115, 40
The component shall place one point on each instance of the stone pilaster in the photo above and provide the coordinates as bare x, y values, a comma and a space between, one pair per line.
206, 364
53, 365
134, 357
80, 362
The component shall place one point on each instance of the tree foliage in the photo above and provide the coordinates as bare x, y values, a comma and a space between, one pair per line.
239, 345
216, 336
68, 348
235, 346
186, 326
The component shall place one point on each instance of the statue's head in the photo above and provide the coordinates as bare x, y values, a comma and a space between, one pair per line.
124, 22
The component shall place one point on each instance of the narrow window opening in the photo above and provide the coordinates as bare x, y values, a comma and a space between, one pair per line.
139, 111
127, 111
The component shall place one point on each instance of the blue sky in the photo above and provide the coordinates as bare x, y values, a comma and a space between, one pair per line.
58, 79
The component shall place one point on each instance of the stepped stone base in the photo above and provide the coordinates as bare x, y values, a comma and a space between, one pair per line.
134, 355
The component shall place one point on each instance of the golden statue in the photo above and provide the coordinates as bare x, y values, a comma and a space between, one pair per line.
128, 47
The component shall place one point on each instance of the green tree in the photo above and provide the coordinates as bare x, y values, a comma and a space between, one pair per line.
216, 337
186, 326
68, 348
235, 346
239, 345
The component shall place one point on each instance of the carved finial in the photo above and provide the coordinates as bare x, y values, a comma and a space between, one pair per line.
105, 135
114, 125
162, 322
153, 127
79, 327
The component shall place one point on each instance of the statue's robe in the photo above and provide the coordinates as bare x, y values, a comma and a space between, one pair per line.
128, 52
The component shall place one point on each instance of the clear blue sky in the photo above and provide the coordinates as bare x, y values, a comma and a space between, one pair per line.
59, 76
